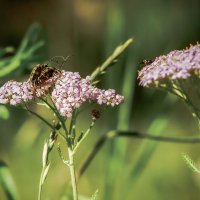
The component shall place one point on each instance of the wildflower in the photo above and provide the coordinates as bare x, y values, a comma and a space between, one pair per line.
14, 93
71, 92
177, 72
67, 89
177, 65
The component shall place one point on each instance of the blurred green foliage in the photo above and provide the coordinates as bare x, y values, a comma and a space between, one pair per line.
91, 30
24, 55
7, 182
4, 113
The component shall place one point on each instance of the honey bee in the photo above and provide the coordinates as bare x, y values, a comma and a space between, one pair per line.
41, 73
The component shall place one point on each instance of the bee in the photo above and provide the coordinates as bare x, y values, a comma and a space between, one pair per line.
41, 73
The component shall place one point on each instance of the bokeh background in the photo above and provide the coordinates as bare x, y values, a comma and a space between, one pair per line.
89, 30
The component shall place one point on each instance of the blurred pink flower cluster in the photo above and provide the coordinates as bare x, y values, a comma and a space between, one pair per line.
178, 64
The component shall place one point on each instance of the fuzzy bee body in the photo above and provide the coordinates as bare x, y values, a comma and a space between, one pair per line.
41, 73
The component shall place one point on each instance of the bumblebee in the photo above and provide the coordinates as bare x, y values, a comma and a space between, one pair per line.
41, 73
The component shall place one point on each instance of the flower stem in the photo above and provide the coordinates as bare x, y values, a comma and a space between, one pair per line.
84, 136
40, 117
115, 134
60, 118
40, 185
72, 174
111, 60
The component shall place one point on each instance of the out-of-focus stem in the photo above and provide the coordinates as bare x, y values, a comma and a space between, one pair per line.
134, 134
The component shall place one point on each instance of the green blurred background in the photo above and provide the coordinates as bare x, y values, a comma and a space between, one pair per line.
90, 30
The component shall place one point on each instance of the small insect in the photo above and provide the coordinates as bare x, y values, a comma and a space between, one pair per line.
147, 62
41, 73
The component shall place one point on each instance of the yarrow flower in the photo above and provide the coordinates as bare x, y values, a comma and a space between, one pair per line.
177, 72
14, 93
178, 64
71, 92
67, 90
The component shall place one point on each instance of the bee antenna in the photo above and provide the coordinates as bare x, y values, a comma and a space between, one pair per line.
65, 59
55, 60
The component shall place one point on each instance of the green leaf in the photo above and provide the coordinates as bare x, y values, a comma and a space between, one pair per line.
4, 112
7, 182
25, 53
4, 51
44, 176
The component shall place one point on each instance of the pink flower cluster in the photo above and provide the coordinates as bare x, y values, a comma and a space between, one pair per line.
68, 91
14, 93
71, 92
178, 64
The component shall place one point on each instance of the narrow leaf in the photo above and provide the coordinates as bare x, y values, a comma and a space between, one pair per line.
44, 176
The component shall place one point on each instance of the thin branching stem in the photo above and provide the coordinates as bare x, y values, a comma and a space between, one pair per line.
113, 134
72, 127
40, 117
84, 136
111, 60
60, 118
56, 127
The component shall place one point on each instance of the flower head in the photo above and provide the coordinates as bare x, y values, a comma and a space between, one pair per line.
71, 92
177, 72
178, 64
67, 89
14, 93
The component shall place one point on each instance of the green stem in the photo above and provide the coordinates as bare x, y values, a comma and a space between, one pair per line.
40, 117
72, 174
73, 121
56, 127
111, 60
54, 109
83, 138
134, 134
40, 185
189, 102
62, 120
